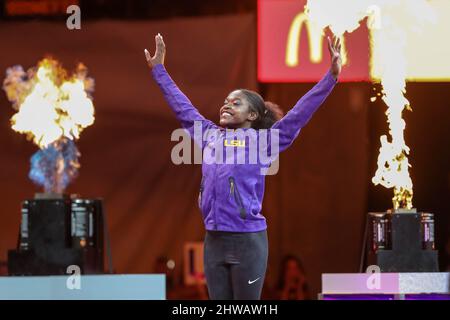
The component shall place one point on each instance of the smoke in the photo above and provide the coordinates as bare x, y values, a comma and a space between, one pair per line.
55, 166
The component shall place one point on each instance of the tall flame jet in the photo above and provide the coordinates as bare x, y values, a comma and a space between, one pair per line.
389, 21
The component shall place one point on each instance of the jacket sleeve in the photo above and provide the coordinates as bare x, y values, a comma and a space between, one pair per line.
290, 125
185, 112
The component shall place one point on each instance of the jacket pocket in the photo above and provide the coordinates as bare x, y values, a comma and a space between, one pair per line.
237, 197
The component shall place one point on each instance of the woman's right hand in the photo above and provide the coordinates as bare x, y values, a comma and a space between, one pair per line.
160, 52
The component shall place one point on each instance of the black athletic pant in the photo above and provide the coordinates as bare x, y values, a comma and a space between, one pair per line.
235, 264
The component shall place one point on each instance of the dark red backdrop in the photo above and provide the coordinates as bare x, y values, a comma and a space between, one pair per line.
315, 205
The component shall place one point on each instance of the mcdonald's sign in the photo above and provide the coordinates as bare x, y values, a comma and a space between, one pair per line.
292, 49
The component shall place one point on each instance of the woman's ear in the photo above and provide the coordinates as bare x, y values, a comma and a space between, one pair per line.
252, 116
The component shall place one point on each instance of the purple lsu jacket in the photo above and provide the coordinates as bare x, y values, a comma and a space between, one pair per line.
232, 186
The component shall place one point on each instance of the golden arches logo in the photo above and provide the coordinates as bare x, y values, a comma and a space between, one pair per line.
315, 41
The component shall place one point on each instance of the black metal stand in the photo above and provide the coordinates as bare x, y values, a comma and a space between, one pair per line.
56, 233
408, 243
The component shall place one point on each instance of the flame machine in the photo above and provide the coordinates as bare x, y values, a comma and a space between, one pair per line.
56, 233
56, 230
403, 239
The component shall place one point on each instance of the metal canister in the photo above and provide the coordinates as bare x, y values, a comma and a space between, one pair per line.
380, 231
427, 231
82, 223
24, 227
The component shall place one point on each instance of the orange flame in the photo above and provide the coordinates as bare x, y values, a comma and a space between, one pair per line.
50, 104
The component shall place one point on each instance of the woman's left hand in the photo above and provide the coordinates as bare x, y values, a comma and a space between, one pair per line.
334, 47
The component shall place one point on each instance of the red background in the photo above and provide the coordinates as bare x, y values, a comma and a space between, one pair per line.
274, 20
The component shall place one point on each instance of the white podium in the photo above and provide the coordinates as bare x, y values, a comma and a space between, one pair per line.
389, 286
86, 287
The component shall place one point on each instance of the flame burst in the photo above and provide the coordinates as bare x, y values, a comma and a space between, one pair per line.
388, 21
52, 110
49, 104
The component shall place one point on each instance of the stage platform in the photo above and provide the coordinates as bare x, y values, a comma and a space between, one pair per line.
386, 286
92, 287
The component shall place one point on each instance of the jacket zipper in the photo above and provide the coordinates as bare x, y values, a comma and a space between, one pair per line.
237, 197
200, 195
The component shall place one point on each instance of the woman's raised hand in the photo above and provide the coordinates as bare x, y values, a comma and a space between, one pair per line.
334, 47
160, 52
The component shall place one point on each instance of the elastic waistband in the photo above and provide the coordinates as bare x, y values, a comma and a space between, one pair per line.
233, 233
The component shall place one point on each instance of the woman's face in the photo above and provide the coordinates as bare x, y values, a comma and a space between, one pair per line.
293, 272
236, 112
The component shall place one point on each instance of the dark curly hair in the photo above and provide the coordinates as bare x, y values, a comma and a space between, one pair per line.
268, 112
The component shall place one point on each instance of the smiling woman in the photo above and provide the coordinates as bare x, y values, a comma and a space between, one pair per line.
244, 108
231, 195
